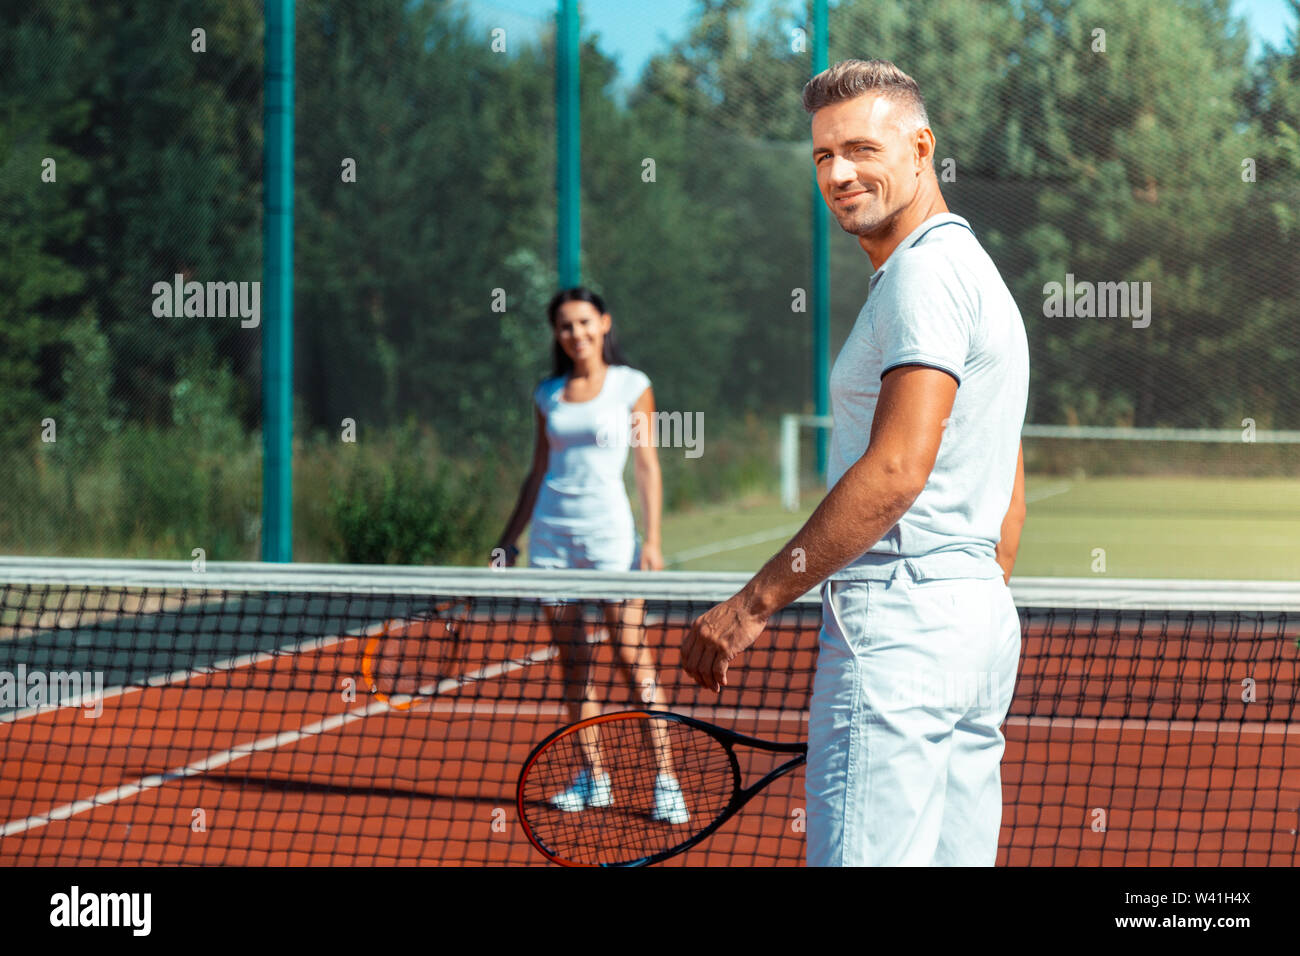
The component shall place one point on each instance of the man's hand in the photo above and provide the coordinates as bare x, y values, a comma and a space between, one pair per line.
716, 638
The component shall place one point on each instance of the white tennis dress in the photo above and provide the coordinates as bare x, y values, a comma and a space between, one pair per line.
583, 518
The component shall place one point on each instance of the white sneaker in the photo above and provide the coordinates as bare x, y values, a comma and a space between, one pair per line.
587, 791
670, 805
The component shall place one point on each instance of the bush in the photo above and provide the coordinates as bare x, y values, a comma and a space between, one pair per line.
397, 507
195, 484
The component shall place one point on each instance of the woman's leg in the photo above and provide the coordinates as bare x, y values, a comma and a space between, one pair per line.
569, 634
626, 623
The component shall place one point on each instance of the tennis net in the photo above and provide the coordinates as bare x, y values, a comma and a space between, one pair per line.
298, 714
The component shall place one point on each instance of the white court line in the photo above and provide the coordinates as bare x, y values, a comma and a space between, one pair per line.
494, 708
1219, 727
710, 712
707, 712
775, 534
1060, 488
285, 737
231, 663
718, 712
732, 544
179, 676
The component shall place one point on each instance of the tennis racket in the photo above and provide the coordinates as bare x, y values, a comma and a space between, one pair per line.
624, 816
410, 658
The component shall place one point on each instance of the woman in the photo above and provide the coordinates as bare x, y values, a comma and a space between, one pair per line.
581, 518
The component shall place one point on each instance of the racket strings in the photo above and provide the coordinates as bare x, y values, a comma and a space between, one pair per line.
658, 783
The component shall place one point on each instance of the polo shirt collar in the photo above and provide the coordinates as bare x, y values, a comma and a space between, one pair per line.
916, 235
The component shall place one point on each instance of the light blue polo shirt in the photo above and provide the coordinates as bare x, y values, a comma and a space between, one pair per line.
939, 301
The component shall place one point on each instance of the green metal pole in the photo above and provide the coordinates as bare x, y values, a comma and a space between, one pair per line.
568, 143
821, 261
277, 285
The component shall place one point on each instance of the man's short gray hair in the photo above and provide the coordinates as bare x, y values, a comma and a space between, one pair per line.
852, 78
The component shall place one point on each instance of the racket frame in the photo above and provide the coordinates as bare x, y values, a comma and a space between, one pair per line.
740, 795
454, 613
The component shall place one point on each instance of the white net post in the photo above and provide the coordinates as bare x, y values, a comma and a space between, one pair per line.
790, 425
790, 462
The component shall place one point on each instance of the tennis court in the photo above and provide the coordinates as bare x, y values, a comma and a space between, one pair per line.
294, 294
228, 734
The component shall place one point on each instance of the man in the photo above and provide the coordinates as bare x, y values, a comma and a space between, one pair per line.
918, 533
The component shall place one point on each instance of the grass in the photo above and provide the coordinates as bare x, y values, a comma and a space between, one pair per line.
397, 495
1222, 528
1147, 527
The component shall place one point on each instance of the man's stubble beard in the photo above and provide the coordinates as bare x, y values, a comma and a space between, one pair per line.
867, 224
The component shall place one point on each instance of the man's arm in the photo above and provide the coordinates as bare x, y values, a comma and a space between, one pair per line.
1014, 521
865, 503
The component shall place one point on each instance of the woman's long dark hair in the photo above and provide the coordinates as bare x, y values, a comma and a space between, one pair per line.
561, 364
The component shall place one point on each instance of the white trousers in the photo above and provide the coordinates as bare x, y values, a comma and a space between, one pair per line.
914, 678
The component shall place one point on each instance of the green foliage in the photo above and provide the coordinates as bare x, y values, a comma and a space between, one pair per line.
397, 272
88, 419
701, 265
1117, 165
193, 484
111, 488
39, 221
399, 507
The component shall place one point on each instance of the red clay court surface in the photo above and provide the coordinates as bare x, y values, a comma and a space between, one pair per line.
268, 763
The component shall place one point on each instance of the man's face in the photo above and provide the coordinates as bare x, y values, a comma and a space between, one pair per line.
867, 166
